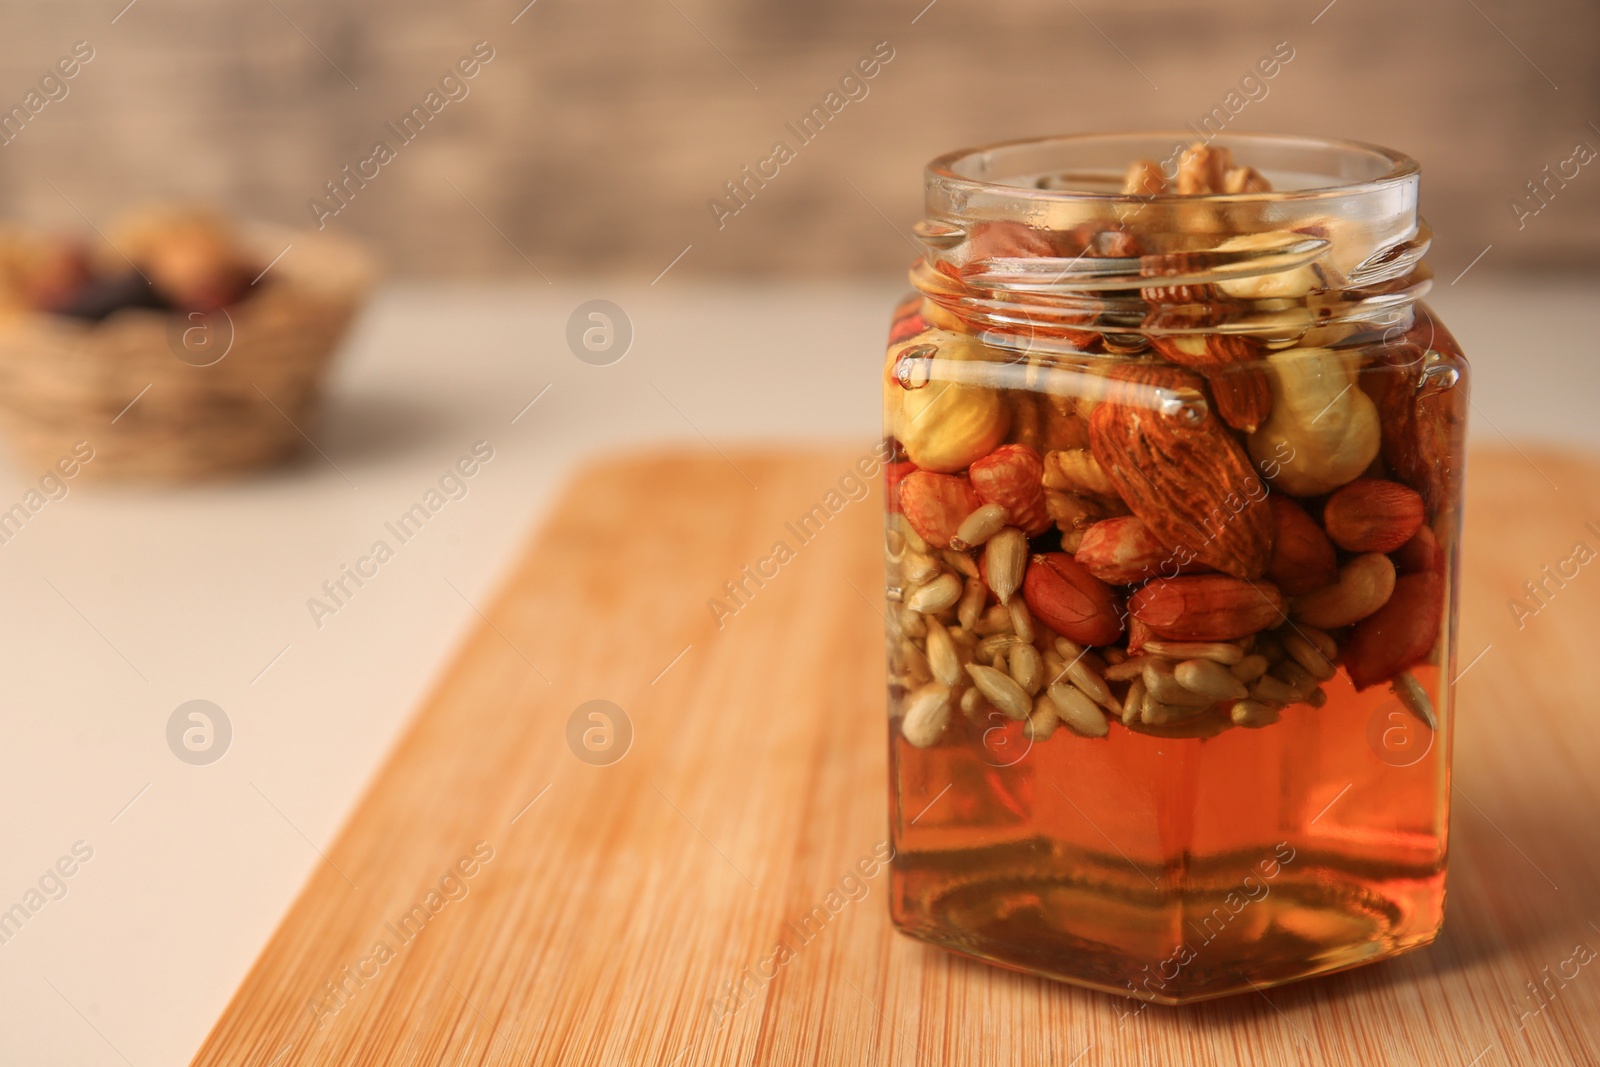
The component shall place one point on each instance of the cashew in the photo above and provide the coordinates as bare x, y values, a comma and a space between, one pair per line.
1364, 586
1323, 431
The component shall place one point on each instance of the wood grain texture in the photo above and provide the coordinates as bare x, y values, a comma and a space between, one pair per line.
625, 898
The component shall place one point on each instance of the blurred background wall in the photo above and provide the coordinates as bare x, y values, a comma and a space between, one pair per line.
593, 139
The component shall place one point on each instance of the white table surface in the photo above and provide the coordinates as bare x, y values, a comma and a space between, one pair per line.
120, 604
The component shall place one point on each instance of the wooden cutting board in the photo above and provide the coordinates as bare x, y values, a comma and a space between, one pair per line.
539, 908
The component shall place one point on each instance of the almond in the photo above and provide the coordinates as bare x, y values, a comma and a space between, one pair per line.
1397, 635
1207, 607
1423, 423
1064, 596
1373, 515
1180, 470
936, 504
1303, 559
1013, 477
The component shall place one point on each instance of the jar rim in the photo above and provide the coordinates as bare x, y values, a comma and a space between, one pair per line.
953, 169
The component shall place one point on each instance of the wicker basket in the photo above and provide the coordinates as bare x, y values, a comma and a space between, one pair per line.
216, 395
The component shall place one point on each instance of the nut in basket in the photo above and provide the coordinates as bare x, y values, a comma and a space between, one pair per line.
185, 350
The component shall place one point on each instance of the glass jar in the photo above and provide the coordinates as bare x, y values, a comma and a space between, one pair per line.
1173, 532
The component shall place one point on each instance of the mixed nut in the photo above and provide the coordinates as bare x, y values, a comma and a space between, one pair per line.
1202, 531
163, 258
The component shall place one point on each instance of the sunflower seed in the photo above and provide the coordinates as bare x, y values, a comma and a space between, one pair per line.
1160, 713
1161, 684
1133, 703
1253, 714
1250, 668
1080, 713
908, 533
926, 714
1308, 656
981, 525
1022, 620
1005, 556
1087, 679
1042, 720
937, 595
1318, 697
973, 705
942, 657
960, 562
996, 620
995, 644
916, 568
894, 543
1210, 679
1220, 651
1026, 667
971, 605
1128, 669
916, 664
909, 623
1270, 690
1297, 677
1325, 644
1003, 692
1415, 699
